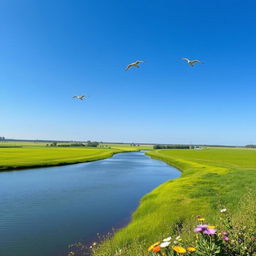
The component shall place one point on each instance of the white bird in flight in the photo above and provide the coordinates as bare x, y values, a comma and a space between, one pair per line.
192, 62
79, 97
134, 64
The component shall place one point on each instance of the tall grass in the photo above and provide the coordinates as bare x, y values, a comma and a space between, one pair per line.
210, 178
234, 235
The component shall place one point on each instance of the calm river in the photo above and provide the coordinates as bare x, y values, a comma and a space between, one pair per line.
44, 210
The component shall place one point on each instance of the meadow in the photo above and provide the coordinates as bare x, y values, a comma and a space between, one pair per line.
22, 155
212, 178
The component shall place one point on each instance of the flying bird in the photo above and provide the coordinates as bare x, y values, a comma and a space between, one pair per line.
192, 62
134, 64
79, 97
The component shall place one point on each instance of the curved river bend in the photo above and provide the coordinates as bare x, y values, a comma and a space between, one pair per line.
42, 211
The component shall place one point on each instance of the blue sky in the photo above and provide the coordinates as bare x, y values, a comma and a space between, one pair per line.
52, 50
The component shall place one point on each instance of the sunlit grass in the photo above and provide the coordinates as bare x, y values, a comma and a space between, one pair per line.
22, 144
28, 157
210, 178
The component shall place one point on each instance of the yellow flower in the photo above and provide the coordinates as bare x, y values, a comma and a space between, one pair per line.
201, 219
191, 249
150, 248
179, 249
212, 227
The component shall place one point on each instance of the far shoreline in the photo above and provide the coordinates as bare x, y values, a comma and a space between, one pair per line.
37, 166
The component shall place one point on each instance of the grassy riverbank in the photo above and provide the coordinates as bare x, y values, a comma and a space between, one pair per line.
210, 178
31, 156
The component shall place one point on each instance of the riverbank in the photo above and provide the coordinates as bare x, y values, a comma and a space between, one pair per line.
73, 203
35, 157
210, 178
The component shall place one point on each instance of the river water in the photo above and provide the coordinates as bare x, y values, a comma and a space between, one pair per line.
44, 210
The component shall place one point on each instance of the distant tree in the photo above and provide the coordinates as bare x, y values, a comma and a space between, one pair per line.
78, 144
250, 146
2, 138
171, 146
92, 144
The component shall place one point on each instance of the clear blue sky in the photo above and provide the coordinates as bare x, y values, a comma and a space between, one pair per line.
51, 50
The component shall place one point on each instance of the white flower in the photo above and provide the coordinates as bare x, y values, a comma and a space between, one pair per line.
164, 244
167, 239
223, 210
178, 237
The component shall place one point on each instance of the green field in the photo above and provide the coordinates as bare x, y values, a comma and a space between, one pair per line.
22, 144
211, 178
32, 155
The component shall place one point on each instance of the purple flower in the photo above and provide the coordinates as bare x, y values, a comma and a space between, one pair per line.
225, 238
210, 231
200, 228
224, 233
205, 230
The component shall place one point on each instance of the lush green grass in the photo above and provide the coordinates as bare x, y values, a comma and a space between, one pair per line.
22, 144
210, 178
28, 157
43, 144
140, 147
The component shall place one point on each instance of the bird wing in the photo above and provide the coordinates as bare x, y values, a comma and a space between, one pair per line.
186, 59
129, 66
138, 62
195, 61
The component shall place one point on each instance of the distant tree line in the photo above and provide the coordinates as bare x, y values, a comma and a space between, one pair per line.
92, 144
53, 144
159, 146
72, 145
77, 144
2, 138
250, 146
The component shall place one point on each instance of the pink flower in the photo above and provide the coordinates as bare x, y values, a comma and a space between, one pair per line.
200, 228
205, 230
225, 238
210, 231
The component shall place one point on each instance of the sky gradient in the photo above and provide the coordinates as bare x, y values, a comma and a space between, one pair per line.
52, 50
